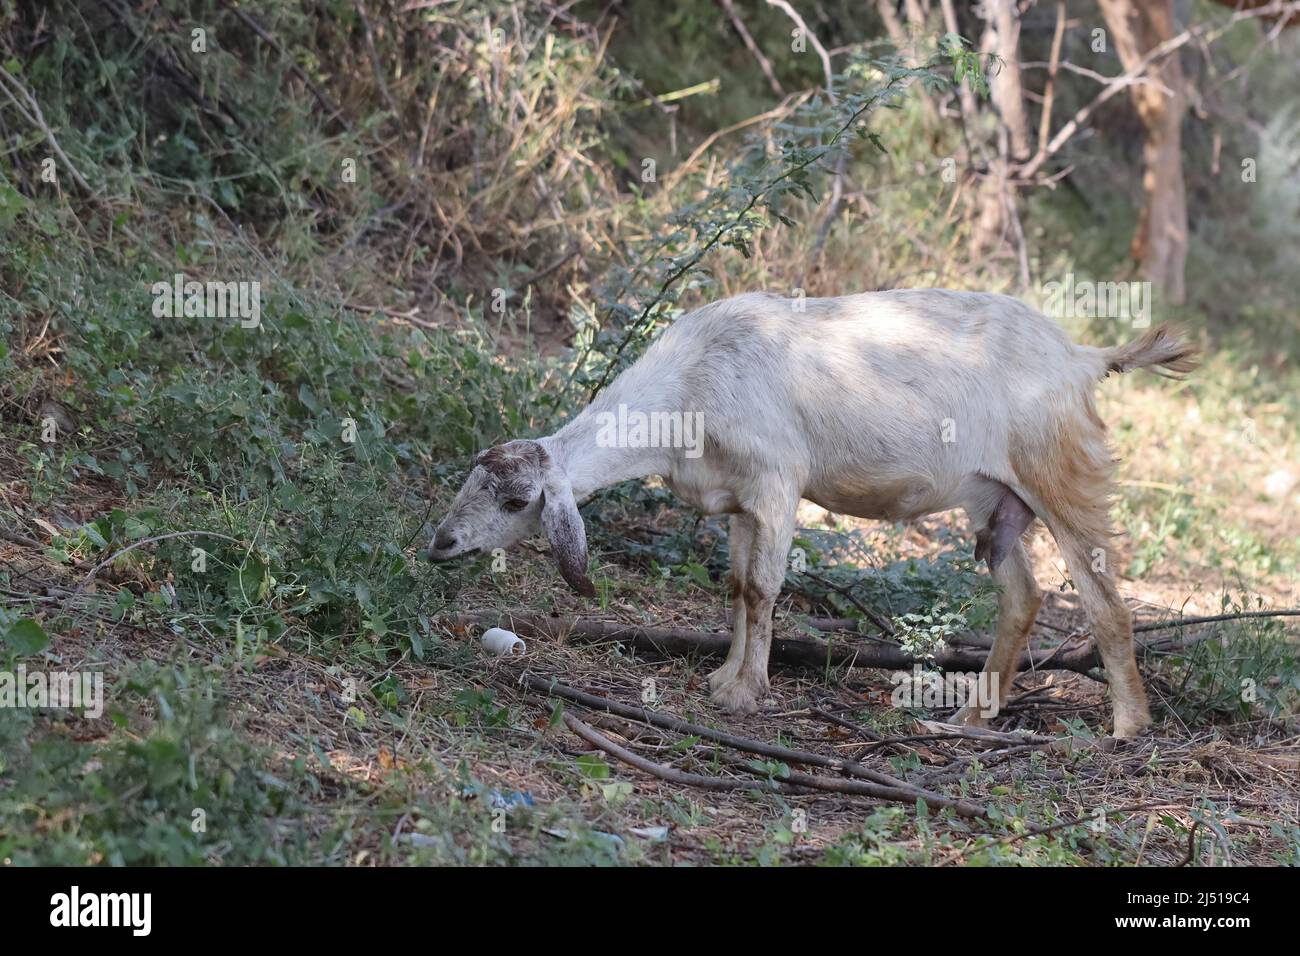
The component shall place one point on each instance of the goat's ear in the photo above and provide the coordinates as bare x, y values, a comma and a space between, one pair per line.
563, 527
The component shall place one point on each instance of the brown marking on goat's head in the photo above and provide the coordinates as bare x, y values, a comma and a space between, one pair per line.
513, 491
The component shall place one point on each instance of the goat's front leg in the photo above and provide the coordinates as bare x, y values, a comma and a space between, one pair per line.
773, 531
742, 542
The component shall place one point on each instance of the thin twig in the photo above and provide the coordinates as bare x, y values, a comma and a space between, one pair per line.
882, 622
792, 651
37, 118
670, 774
837, 180
763, 63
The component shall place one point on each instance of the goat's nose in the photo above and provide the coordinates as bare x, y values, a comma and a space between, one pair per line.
444, 540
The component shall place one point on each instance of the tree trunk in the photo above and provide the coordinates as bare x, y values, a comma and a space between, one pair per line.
1002, 36
995, 200
1160, 240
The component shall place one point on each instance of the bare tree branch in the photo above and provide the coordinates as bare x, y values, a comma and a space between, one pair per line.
764, 63
1210, 31
837, 182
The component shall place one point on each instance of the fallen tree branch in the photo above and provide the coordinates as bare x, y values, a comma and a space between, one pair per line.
803, 652
945, 731
792, 782
807, 758
20, 539
671, 774
954, 769
1214, 619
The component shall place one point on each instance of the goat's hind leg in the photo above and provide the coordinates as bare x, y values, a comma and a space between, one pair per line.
1112, 626
741, 541
1000, 544
1072, 482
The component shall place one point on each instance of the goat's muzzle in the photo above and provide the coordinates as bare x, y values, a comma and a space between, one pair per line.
445, 545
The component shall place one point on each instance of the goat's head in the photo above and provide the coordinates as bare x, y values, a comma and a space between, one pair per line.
512, 491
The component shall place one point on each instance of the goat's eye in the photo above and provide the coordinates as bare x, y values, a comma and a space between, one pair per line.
516, 504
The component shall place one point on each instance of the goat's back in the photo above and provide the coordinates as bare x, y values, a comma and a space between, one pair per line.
906, 389
906, 353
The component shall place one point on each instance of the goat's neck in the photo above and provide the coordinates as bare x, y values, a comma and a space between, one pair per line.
590, 466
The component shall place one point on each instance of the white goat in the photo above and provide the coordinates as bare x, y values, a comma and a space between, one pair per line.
886, 405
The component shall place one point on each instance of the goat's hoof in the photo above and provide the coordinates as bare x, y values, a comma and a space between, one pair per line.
721, 677
736, 697
1131, 725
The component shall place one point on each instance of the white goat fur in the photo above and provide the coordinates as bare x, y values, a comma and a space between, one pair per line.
886, 405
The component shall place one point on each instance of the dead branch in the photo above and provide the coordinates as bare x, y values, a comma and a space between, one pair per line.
792, 782
763, 63
859, 729
31, 112
1049, 90
138, 544
804, 652
21, 539
1214, 619
779, 112
672, 775
956, 732
745, 744
874, 616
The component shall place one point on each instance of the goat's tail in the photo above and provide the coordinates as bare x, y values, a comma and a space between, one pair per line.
1161, 347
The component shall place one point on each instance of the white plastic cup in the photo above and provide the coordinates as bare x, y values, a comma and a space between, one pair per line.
502, 643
